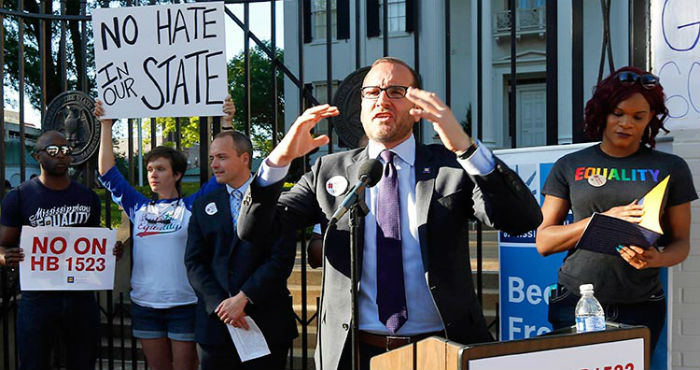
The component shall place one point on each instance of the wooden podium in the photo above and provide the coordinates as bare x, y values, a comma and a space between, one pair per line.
619, 346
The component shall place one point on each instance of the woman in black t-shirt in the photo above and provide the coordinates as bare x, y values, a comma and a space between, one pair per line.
626, 112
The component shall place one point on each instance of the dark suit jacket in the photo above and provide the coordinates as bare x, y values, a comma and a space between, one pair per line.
446, 197
219, 265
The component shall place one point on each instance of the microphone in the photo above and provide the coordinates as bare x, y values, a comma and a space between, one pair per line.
369, 174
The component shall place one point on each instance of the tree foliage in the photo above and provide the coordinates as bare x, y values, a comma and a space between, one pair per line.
263, 103
167, 127
76, 59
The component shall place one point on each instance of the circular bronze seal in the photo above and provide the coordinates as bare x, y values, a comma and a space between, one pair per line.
70, 113
348, 100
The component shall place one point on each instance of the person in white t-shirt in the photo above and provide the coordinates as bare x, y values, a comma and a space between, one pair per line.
162, 300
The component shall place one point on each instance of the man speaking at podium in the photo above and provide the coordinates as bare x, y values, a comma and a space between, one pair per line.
415, 276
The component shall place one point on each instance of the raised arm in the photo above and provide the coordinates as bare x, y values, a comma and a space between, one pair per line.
430, 107
299, 141
106, 155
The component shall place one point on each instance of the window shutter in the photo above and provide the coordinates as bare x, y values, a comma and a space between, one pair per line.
307, 21
410, 15
343, 22
372, 18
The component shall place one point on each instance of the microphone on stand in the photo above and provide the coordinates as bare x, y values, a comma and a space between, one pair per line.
368, 175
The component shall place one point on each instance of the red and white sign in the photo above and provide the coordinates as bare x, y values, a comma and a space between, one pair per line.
67, 258
625, 354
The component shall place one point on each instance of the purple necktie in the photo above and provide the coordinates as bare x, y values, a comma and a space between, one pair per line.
391, 294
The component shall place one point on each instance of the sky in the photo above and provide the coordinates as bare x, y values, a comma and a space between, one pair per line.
260, 21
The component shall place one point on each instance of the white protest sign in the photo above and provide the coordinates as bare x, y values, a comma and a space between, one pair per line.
164, 61
675, 46
67, 258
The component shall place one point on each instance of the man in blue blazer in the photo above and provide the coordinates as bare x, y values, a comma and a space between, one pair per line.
234, 278
415, 277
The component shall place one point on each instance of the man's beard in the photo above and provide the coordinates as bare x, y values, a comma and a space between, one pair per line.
391, 134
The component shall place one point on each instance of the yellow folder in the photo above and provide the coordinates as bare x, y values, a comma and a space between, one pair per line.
653, 203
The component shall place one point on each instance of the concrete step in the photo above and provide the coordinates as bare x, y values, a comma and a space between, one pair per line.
313, 276
312, 292
489, 299
310, 309
117, 329
104, 364
117, 352
490, 278
296, 358
310, 337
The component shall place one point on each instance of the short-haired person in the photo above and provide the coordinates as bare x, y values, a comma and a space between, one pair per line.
233, 278
162, 300
71, 317
626, 112
414, 258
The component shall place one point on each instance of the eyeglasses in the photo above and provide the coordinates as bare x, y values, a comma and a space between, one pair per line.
392, 92
647, 80
53, 150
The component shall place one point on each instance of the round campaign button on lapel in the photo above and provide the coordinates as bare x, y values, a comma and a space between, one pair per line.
210, 209
336, 185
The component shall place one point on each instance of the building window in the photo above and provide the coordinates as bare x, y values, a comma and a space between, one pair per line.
396, 16
318, 19
530, 19
527, 4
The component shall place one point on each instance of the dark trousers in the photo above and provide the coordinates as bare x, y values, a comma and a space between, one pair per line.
225, 356
47, 318
651, 313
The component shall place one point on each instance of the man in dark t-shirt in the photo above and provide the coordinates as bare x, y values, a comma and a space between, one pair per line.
47, 317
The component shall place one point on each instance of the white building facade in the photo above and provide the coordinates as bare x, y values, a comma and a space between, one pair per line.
530, 50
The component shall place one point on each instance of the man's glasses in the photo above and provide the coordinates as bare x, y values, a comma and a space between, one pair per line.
53, 150
647, 80
392, 92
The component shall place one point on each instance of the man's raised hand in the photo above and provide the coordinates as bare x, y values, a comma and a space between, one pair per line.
298, 141
431, 108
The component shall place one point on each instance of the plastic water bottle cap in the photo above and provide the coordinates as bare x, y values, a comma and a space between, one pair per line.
585, 288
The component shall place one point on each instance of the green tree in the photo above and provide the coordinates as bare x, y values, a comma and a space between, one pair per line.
167, 126
53, 63
262, 101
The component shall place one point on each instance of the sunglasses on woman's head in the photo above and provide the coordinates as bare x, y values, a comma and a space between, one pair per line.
647, 80
53, 150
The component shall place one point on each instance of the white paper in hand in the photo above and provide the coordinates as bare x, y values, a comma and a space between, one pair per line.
250, 343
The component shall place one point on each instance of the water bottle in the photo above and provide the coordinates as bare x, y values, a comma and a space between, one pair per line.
589, 313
